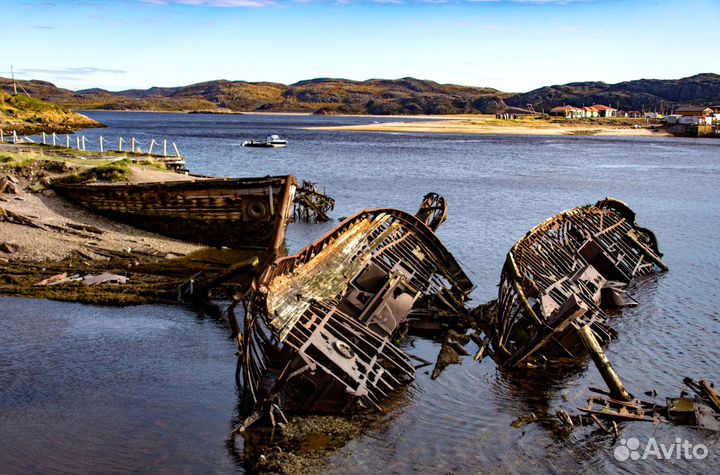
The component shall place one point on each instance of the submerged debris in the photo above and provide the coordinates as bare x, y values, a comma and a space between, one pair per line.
702, 411
311, 205
321, 329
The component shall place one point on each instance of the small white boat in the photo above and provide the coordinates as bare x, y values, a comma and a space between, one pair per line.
271, 141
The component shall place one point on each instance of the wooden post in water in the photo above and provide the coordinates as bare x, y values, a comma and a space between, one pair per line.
43, 136
54, 137
617, 389
132, 145
120, 144
101, 147
177, 152
164, 147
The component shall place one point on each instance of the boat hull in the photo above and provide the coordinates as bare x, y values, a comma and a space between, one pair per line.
237, 213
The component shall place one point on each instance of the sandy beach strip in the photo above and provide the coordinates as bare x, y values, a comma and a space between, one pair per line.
498, 127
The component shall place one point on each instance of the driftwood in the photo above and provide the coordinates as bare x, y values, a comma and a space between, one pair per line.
11, 217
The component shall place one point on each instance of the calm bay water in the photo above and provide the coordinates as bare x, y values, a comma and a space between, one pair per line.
150, 389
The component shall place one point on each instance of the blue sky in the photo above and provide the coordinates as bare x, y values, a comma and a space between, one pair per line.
513, 45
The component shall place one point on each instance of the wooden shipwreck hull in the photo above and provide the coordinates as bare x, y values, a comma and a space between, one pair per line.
232, 212
562, 276
320, 329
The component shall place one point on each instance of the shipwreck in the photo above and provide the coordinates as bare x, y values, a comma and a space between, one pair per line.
321, 329
238, 213
559, 280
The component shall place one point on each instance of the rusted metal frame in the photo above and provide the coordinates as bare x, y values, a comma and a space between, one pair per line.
516, 317
394, 242
606, 243
256, 365
370, 364
535, 256
561, 346
315, 325
546, 244
515, 276
506, 299
382, 343
559, 267
649, 254
442, 270
633, 251
424, 268
248, 364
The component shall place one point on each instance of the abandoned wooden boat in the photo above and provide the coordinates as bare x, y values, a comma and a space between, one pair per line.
320, 330
271, 141
232, 212
562, 275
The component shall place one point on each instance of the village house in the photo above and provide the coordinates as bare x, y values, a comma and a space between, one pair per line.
696, 115
511, 113
591, 112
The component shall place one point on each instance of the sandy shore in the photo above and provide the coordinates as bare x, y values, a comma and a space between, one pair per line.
504, 127
290, 114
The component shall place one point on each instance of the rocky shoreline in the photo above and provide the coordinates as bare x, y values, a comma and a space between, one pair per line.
51, 248
43, 236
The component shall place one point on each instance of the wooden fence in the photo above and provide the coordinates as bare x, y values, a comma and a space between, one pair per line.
80, 143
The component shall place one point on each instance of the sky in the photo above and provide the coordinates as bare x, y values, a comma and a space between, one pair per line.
510, 45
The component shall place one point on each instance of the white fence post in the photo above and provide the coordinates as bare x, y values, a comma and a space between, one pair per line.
2, 137
83, 142
77, 142
132, 145
120, 144
14, 136
101, 147
177, 152
54, 137
164, 147
152, 142
67, 140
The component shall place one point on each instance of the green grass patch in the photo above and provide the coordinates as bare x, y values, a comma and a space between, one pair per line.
114, 171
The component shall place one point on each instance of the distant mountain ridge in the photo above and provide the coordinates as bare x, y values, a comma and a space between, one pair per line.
408, 96
641, 94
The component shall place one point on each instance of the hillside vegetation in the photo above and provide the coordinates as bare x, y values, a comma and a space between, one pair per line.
325, 96
381, 96
642, 94
27, 115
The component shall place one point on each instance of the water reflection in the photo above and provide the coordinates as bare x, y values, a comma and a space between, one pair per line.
151, 388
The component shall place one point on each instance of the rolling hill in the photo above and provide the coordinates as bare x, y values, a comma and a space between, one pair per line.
380, 96
28, 115
642, 94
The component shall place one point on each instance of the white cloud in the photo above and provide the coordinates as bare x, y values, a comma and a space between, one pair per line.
77, 71
215, 3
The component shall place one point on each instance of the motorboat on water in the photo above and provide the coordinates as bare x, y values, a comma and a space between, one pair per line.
271, 141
